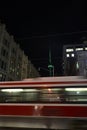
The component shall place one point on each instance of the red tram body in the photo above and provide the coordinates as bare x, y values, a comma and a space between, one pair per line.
43, 102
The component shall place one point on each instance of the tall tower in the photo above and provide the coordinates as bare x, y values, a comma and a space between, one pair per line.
50, 66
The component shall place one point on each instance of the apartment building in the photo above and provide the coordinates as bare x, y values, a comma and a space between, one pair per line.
4, 52
14, 64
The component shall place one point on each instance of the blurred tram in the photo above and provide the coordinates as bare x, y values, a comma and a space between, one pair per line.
45, 102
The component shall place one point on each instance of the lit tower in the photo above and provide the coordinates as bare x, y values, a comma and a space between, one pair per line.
50, 66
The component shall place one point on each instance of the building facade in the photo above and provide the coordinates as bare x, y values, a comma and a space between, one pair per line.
4, 52
14, 64
32, 72
70, 58
24, 66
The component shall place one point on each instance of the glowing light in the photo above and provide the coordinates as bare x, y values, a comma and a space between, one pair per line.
79, 49
72, 55
76, 89
85, 48
77, 65
69, 50
11, 90
49, 90
30, 90
58, 97
36, 107
67, 55
78, 92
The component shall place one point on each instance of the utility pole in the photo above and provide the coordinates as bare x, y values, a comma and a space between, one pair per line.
50, 66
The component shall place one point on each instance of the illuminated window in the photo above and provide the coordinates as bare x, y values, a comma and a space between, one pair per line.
76, 89
51, 94
11, 90
85, 48
61, 95
72, 55
18, 95
79, 49
67, 55
77, 65
76, 94
69, 50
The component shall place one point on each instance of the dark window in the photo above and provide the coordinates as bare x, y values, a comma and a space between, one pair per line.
14, 51
2, 64
4, 52
6, 43
5, 66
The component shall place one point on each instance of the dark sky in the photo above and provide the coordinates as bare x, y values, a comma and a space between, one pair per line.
38, 26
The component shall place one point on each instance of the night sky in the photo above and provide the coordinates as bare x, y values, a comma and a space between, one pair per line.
38, 26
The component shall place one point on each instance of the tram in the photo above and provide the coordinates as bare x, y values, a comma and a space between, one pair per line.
43, 102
